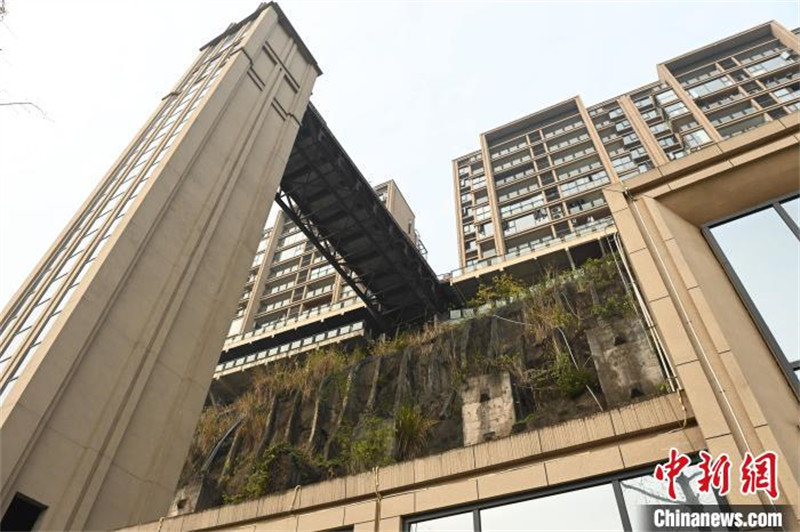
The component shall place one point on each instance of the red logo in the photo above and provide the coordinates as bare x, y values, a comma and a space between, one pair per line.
670, 470
716, 473
758, 473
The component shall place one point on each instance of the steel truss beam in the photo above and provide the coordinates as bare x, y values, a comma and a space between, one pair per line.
323, 192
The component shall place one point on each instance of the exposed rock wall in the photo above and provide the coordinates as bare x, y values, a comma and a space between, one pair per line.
527, 364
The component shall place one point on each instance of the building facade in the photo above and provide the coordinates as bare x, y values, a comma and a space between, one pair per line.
109, 346
535, 184
695, 180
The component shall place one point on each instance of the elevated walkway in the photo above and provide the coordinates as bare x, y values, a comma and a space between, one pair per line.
324, 193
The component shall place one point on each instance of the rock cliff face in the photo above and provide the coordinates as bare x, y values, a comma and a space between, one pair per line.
572, 346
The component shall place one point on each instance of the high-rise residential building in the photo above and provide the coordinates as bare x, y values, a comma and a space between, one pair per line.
108, 348
535, 185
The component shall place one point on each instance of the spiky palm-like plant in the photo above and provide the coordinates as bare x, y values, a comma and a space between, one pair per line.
412, 429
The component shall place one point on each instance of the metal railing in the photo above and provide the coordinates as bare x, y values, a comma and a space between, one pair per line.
280, 324
583, 230
292, 348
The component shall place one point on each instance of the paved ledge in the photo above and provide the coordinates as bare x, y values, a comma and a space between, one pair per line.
578, 448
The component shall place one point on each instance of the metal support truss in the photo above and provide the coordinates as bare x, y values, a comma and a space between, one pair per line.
324, 247
324, 193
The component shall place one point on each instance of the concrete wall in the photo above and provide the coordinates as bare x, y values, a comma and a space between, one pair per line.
626, 364
99, 424
487, 408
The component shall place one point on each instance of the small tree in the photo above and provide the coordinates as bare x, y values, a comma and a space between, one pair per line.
503, 286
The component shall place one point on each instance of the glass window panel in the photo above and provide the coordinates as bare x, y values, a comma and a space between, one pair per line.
64, 300
67, 266
13, 345
460, 522
6, 390
758, 243
24, 361
792, 207
646, 489
597, 510
3, 363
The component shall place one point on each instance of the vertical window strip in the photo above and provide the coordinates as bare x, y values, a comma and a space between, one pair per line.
145, 155
115, 184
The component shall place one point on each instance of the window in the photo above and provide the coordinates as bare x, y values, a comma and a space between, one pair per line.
623, 163
258, 259
645, 489
598, 505
320, 271
676, 109
659, 128
287, 253
622, 126
667, 142
236, 327
485, 230
584, 183
606, 504
699, 75
523, 223
521, 206
461, 521
616, 113
742, 126
787, 94
666, 97
22, 513
711, 86
650, 115
767, 239
286, 240
697, 138
770, 64
483, 212
643, 102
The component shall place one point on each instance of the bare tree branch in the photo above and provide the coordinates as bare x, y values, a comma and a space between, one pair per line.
25, 104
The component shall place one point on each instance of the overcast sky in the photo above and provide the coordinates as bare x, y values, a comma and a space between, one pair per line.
406, 87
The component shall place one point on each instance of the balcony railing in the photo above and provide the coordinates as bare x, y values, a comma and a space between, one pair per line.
583, 230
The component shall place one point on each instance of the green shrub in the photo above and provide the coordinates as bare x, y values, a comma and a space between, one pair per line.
503, 286
372, 444
612, 306
258, 482
571, 381
412, 429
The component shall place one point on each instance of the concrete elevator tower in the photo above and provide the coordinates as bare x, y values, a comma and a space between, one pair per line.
108, 348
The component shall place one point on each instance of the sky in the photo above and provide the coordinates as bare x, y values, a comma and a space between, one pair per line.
407, 86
